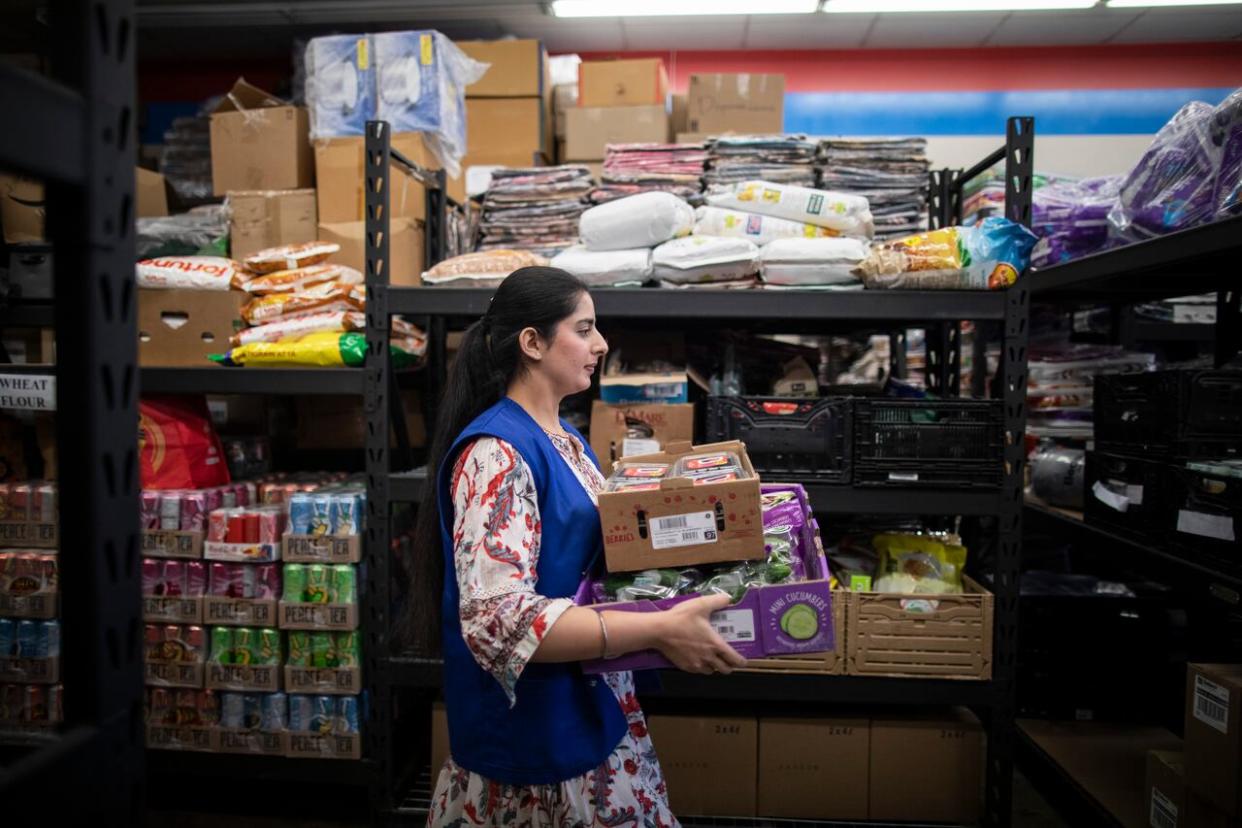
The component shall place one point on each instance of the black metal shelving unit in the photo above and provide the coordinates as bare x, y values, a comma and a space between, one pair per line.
795, 310
284, 381
78, 134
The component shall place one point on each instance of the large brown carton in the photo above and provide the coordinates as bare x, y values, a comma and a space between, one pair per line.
681, 524
182, 327
736, 103
270, 218
507, 127
150, 194
22, 209
710, 763
259, 142
439, 739
814, 768
517, 68
927, 769
1213, 740
588, 129
406, 251
653, 427
340, 168
1166, 789
640, 82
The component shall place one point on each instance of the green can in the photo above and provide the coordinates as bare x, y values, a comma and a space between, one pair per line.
348, 653
299, 648
323, 650
221, 645
295, 582
318, 584
269, 646
344, 584
245, 646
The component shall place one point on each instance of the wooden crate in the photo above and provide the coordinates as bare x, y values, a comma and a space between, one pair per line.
831, 663
927, 636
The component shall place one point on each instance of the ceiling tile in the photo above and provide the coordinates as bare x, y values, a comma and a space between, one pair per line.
1166, 25
646, 33
825, 31
558, 35
945, 30
1061, 27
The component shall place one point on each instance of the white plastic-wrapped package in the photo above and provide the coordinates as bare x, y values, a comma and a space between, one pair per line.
642, 220
421, 80
340, 85
698, 259
601, 268
849, 215
718, 221
811, 261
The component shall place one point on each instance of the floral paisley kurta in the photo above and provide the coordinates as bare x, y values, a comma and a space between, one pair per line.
496, 546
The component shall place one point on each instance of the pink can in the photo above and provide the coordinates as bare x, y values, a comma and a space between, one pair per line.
193, 512
195, 579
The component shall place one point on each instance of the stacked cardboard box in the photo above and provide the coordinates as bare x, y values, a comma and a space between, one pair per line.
508, 110
1212, 763
619, 102
745, 104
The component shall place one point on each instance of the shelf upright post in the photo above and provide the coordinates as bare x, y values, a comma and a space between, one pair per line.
1228, 325
375, 598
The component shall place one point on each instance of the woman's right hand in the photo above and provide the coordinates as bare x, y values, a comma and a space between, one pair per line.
687, 639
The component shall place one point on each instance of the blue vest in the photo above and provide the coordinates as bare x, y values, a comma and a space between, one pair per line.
564, 723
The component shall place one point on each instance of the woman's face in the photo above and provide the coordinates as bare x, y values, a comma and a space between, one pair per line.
576, 352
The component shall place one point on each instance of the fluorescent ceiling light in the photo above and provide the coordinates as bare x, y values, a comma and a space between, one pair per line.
874, 6
667, 8
1137, 4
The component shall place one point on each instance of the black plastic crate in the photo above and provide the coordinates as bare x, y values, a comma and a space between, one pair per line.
939, 444
787, 436
1126, 494
1179, 413
1206, 515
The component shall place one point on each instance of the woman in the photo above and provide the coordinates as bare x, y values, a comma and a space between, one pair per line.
534, 741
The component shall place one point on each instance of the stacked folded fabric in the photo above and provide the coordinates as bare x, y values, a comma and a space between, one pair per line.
630, 169
890, 172
534, 208
787, 159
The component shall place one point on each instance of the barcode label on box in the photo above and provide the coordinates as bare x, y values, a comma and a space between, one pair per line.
1205, 525
683, 530
1212, 704
631, 446
1163, 811
734, 625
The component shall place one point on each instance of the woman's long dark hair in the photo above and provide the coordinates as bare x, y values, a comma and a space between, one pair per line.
486, 363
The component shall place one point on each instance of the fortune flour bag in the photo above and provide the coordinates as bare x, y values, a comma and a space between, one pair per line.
849, 215
811, 261
601, 268
717, 221
642, 220
700, 259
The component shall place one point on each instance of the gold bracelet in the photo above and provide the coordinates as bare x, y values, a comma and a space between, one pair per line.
603, 631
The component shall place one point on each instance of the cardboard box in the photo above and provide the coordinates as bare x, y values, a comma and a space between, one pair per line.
32, 533
174, 673
183, 326
1214, 734
169, 737
797, 380
640, 82
710, 763
271, 218
332, 422
257, 552
564, 98
657, 388
238, 740
258, 678
32, 605
169, 543
325, 746
508, 127
439, 738
814, 768
654, 427
150, 194
259, 142
30, 670
173, 610
239, 612
518, 68
340, 171
406, 248
1203, 814
589, 129
927, 770
828, 663
323, 549
23, 209
341, 681
299, 615
736, 103
679, 114
631, 519
1166, 789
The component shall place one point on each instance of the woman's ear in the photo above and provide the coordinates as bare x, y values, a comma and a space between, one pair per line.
530, 344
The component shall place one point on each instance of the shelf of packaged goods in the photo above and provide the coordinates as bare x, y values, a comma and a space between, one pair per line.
218, 380
197, 765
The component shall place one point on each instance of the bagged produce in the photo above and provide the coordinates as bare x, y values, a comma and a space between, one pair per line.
918, 563
328, 296
717, 221
988, 255
311, 322
289, 281
696, 259
488, 267
198, 272
321, 349
606, 267
642, 220
291, 256
811, 261
849, 215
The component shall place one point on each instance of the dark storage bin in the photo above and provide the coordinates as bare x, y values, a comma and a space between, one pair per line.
786, 437
1206, 515
1126, 494
1181, 413
940, 444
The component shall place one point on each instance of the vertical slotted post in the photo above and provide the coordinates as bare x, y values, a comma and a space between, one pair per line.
1019, 164
1228, 324
375, 602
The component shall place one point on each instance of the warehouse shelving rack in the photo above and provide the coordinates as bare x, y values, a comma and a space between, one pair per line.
793, 310
77, 133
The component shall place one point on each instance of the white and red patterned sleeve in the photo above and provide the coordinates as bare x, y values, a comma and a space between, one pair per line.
496, 534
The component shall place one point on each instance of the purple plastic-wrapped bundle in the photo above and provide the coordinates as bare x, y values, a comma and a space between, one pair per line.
1071, 218
1227, 128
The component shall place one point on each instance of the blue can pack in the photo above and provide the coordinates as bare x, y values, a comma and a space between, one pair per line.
49, 644
28, 637
275, 713
301, 709
252, 711
340, 85
323, 714
301, 510
232, 710
347, 715
8, 637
